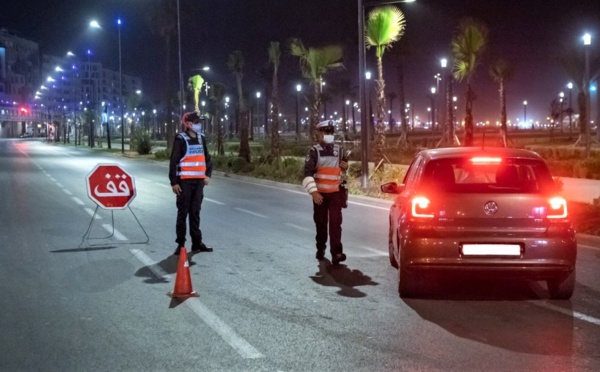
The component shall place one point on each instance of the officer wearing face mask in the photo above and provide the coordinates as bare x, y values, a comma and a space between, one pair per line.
323, 168
189, 171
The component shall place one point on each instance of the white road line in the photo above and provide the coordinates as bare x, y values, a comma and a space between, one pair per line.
571, 313
66, 191
59, 185
108, 227
91, 213
214, 201
588, 247
233, 339
78, 201
156, 269
370, 206
250, 212
213, 321
376, 251
297, 227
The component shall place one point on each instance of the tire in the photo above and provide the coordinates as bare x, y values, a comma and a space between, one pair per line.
562, 288
408, 284
393, 261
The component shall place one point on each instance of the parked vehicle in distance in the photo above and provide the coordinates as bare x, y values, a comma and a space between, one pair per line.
473, 211
26, 135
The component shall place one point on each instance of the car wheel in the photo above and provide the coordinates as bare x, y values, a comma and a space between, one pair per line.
562, 288
407, 282
393, 261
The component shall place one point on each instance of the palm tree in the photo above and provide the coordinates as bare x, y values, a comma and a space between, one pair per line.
275, 60
501, 72
385, 25
235, 63
195, 85
314, 64
217, 94
468, 45
164, 22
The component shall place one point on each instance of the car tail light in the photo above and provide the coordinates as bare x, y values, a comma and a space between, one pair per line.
421, 207
557, 208
485, 160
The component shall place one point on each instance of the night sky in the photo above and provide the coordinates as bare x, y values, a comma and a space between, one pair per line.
529, 34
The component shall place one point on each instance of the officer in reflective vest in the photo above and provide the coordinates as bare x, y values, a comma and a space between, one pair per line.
322, 177
189, 171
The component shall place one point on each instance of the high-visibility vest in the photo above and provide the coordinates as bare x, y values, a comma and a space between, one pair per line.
328, 176
193, 163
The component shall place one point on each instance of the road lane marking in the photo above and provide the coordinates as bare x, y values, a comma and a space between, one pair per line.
108, 227
92, 213
66, 191
588, 247
78, 201
376, 251
250, 212
297, 227
571, 313
213, 321
214, 201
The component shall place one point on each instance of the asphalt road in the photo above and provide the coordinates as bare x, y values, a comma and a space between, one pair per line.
266, 304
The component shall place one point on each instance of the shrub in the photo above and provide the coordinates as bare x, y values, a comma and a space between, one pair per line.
143, 143
240, 165
162, 154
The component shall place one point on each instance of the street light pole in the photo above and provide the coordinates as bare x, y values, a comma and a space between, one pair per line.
525, 114
570, 86
179, 54
298, 89
433, 126
587, 41
121, 90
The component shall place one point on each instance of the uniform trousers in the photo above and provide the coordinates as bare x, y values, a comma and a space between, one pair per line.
328, 218
189, 202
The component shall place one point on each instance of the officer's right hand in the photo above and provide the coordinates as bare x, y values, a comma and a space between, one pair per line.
317, 197
176, 189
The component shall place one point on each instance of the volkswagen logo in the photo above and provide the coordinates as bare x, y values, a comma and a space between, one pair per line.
490, 207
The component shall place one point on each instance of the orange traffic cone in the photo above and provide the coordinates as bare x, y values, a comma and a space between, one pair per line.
183, 282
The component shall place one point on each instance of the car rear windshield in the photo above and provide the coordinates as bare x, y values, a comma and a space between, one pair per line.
463, 175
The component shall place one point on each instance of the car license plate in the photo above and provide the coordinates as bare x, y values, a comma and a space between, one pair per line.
491, 250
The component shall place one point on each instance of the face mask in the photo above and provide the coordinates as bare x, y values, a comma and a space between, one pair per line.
197, 127
328, 138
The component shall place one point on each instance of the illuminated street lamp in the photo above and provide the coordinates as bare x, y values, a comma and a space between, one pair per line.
361, 82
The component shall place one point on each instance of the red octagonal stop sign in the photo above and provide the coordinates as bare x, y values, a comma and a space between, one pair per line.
110, 186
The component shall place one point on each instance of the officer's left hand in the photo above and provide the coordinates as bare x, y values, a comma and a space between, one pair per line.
206, 181
344, 165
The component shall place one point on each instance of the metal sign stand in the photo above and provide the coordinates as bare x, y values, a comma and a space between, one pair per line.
86, 237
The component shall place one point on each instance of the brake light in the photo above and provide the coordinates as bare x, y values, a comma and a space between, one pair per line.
420, 207
558, 208
485, 160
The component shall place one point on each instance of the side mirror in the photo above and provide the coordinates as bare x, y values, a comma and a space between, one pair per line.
391, 188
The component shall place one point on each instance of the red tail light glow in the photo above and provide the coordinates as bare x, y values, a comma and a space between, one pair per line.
558, 208
420, 207
485, 160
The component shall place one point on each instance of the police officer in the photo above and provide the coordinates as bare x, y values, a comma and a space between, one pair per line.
322, 178
189, 171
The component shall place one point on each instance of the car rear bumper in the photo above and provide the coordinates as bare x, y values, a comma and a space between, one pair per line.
539, 258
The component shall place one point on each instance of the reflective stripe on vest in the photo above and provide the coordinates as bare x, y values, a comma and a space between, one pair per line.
328, 176
193, 163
